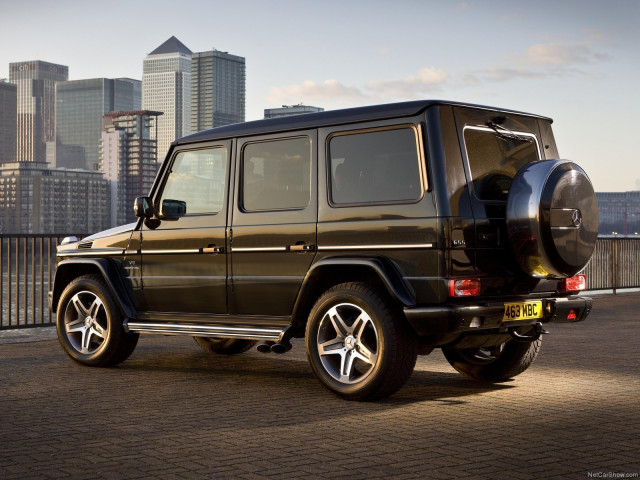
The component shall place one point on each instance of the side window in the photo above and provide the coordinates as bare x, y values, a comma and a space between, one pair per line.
196, 183
380, 166
276, 175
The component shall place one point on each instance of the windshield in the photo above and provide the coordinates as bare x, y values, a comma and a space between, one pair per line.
495, 155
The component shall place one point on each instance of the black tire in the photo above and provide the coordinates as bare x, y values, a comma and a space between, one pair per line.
224, 346
90, 325
495, 364
374, 351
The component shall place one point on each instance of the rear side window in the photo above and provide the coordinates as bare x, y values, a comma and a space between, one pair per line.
372, 167
276, 175
495, 158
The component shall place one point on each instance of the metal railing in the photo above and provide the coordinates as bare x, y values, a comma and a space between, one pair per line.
27, 264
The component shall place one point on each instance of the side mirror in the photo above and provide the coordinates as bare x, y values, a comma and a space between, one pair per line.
173, 209
142, 207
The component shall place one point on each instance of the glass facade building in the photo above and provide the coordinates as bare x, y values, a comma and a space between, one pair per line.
619, 213
8, 107
36, 104
218, 89
80, 106
166, 88
128, 160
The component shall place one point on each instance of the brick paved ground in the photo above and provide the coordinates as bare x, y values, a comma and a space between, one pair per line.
172, 411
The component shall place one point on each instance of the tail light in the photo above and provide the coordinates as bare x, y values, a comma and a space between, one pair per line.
575, 283
464, 287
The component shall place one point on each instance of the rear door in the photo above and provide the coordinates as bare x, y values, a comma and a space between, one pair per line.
273, 232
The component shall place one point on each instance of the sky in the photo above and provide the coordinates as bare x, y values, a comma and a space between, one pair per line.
576, 61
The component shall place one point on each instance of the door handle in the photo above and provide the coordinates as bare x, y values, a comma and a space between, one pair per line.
301, 248
212, 249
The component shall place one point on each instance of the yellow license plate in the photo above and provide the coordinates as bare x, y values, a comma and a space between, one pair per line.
522, 311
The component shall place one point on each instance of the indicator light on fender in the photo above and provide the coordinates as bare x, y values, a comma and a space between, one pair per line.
575, 283
573, 315
464, 287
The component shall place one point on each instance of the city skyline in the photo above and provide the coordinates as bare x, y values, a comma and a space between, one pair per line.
575, 61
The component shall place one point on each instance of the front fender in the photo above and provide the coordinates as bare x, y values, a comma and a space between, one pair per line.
72, 268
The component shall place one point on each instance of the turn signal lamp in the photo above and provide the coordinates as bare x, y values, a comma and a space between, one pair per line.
464, 287
574, 284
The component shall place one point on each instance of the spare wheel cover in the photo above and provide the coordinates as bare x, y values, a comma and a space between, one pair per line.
552, 218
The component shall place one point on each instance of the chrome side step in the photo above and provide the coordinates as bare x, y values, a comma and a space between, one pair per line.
219, 331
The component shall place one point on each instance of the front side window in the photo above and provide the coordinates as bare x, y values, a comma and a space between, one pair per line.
495, 157
196, 183
276, 175
375, 167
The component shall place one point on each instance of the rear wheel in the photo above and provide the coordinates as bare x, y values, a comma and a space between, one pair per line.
90, 326
496, 364
224, 346
357, 344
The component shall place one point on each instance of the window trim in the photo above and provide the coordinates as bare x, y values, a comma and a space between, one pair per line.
421, 164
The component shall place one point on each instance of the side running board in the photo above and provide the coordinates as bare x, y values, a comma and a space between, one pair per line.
249, 333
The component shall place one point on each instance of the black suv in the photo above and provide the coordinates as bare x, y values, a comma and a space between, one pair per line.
375, 233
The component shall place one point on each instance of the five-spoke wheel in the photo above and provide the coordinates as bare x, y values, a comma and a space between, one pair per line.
356, 343
89, 324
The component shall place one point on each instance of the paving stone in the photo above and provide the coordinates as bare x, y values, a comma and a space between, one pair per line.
171, 411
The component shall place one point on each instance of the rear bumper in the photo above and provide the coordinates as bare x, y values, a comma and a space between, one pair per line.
451, 318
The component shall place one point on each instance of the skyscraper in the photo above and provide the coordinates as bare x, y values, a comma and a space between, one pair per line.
128, 160
80, 106
8, 105
166, 87
218, 89
35, 82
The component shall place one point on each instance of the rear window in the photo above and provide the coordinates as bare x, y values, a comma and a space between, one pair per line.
381, 166
495, 158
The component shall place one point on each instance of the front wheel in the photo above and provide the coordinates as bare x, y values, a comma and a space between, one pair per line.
495, 364
357, 344
90, 326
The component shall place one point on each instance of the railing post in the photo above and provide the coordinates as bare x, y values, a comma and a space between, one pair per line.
614, 264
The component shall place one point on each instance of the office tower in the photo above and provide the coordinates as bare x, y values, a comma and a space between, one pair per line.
80, 106
287, 110
166, 87
217, 89
8, 105
128, 160
35, 82
38, 199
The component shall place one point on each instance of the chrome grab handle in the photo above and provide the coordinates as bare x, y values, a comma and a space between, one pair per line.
212, 249
301, 248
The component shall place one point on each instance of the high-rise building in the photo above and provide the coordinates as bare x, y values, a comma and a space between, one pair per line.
35, 82
38, 199
218, 89
166, 87
128, 160
8, 106
287, 110
80, 106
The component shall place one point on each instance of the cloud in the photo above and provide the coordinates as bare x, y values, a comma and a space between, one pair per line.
559, 54
332, 93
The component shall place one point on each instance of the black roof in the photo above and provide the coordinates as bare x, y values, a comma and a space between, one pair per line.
329, 117
173, 45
